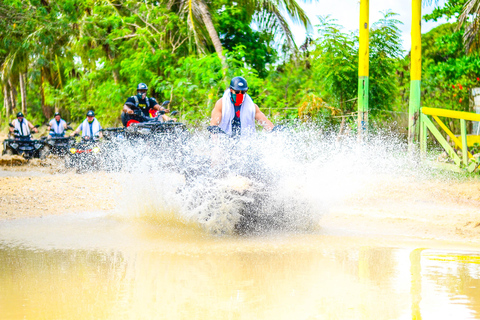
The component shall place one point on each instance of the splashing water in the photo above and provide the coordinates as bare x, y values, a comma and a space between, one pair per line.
283, 181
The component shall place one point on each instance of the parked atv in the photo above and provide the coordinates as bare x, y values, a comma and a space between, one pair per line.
57, 144
84, 155
155, 128
23, 145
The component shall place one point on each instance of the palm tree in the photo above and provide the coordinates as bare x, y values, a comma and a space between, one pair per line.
471, 38
270, 13
471, 8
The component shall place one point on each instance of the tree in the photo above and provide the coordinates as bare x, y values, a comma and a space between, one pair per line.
335, 64
467, 14
471, 37
269, 15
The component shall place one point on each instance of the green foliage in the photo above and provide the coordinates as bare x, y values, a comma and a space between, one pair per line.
452, 8
336, 60
448, 74
335, 64
235, 28
90, 54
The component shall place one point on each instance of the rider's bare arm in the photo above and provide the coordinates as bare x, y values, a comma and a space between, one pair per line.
160, 108
216, 117
127, 109
76, 131
262, 119
31, 126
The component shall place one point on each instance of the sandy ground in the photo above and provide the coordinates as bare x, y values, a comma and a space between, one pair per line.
40, 194
432, 209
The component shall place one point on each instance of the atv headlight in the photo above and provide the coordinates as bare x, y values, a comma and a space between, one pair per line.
96, 150
144, 131
73, 150
14, 145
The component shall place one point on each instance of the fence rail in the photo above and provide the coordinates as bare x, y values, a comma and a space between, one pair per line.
468, 161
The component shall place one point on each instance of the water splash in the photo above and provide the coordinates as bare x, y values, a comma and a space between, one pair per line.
284, 181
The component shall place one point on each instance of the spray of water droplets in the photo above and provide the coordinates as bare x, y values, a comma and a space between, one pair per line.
281, 181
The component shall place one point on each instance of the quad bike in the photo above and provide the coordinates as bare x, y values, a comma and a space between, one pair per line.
23, 145
155, 138
237, 192
84, 155
57, 144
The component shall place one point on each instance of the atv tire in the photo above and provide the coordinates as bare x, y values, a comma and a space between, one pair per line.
44, 153
7, 152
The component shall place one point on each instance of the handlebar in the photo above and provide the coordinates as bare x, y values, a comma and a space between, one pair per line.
215, 130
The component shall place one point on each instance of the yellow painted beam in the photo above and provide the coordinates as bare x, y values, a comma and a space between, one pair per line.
451, 114
416, 34
363, 59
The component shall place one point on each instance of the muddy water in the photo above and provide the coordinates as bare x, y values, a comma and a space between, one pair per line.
96, 266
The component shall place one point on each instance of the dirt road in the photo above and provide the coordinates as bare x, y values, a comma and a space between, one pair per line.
40, 191
447, 209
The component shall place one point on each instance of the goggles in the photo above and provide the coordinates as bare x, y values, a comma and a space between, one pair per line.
240, 91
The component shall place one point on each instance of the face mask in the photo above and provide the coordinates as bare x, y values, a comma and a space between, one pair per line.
237, 99
141, 95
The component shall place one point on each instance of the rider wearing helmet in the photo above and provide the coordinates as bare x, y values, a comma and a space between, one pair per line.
235, 113
90, 127
147, 106
57, 126
22, 126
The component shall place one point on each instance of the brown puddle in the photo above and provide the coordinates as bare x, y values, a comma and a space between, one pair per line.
99, 267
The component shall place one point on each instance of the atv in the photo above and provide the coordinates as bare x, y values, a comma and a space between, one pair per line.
57, 144
23, 145
84, 155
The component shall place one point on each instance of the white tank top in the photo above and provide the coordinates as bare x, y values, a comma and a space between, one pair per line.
247, 115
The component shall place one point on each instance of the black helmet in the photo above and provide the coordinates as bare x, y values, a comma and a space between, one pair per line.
90, 113
239, 83
142, 86
56, 114
20, 115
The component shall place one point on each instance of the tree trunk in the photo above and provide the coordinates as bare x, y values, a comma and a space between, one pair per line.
207, 19
13, 95
23, 92
111, 58
6, 101
45, 109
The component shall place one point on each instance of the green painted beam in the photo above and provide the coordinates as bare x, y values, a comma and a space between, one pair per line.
363, 84
450, 151
423, 137
463, 130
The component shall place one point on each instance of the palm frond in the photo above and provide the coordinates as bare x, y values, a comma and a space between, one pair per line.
471, 35
296, 13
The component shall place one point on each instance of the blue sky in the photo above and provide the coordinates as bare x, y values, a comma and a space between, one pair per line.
347, 12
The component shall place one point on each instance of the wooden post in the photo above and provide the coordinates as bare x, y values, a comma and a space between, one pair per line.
463, 130
415, 74
363, 69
